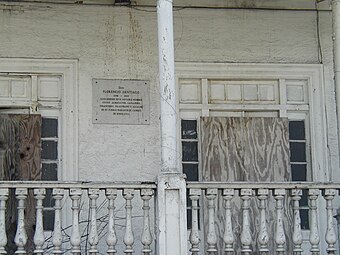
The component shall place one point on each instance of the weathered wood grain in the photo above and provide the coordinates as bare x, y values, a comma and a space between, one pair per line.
20, 159
250, 150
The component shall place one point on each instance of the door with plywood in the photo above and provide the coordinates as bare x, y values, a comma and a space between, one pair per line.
20, 154
246, 150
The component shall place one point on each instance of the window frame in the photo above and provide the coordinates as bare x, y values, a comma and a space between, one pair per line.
315, 117
68, 71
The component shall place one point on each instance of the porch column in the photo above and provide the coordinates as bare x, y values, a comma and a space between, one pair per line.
336, 55
172, 236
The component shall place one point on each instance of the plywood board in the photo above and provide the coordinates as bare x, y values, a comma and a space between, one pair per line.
250, 150
20, 155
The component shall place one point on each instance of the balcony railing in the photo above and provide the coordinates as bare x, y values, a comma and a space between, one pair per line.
105, 228
262, 218
119, 218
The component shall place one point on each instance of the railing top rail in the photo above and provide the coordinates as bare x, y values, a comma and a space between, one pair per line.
77, 185
263, 185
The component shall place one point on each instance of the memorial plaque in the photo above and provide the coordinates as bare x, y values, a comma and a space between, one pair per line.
120, 102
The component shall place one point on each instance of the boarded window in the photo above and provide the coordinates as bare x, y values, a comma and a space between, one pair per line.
250, 150
20, 159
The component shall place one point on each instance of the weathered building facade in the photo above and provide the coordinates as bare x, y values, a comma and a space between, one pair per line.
245, 95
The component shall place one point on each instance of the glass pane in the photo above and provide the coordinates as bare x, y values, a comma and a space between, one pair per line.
296, 130
299, 172
297, 152
191, 171
48, 200
189, 151
49, 150
49, 127
304, 198
304, 215
48, 220
189, 129
189, 217
49, 172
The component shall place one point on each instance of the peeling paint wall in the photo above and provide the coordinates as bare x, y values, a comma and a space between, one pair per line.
121, 43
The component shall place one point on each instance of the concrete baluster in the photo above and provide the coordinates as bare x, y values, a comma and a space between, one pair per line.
39, 237
263, 237
128, 237
3, 236
20, 238
93, 236
111, 238
280, 238
314, 237
228, 236
75, 195
246, 238
57, 238
146, 195
330, 232
297, 234
194, 237
211, 237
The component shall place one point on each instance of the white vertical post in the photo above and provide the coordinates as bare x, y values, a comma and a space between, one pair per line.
39, 237
171, 188
171, 213
167, 86
3, 236
336, 53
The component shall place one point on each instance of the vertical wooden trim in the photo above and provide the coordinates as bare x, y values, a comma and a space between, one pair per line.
283, 98
205, 98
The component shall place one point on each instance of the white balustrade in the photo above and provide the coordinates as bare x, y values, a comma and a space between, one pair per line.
146, 195
75, 195
211, 195
20, 238
263, 236
297, 233
128, 237
111, 239
228, 236
39, 237
194, 237
226, 242
93, 236
314, 237
57, 238
246, 238
3, 236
